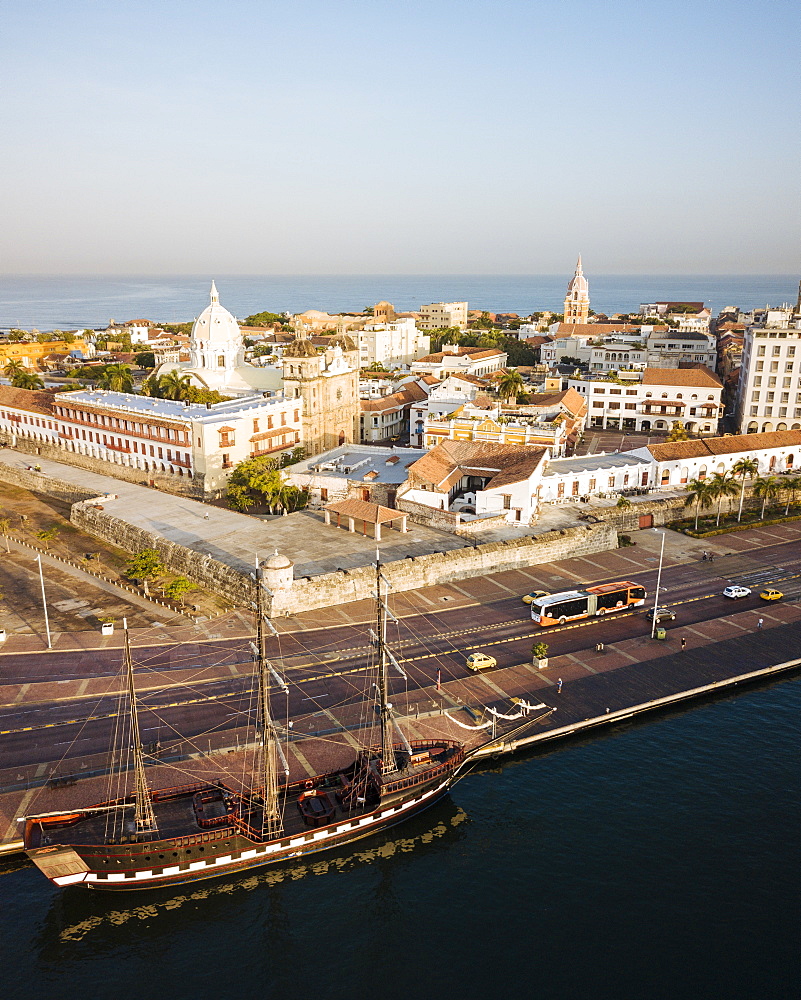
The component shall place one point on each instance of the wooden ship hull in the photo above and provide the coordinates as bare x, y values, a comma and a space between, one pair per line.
207, 830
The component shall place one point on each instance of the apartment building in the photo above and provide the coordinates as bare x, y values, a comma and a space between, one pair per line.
392, 344
769, 387
441, 315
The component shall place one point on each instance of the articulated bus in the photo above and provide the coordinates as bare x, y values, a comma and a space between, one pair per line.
556, 609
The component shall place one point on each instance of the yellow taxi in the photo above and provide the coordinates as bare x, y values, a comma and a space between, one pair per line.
530, 598
771, 595
480, 661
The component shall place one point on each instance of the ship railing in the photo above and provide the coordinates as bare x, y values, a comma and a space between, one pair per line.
161, 794
201, 838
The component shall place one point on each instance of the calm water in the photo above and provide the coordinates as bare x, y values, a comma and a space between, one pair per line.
79, 301
658, 860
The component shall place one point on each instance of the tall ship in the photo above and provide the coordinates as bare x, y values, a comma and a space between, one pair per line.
147, 838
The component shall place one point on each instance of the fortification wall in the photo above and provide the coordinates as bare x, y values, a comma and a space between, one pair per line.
444, 567
202, 569
162, 481
45, 485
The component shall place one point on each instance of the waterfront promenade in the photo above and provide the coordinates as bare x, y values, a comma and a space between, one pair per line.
633, 673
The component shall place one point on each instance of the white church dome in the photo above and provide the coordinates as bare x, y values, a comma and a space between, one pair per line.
215, 324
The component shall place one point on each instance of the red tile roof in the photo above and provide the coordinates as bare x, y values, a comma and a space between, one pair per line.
32, 400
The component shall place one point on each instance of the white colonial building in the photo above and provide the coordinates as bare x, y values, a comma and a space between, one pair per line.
654, 400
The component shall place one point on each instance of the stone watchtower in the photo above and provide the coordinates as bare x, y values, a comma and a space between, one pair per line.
328, 383
577, 300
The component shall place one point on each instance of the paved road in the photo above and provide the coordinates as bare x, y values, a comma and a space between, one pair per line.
328, 665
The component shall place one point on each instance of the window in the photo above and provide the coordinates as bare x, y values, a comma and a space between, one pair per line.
761, 351
612, 482
776, 350
760, 366
255, 427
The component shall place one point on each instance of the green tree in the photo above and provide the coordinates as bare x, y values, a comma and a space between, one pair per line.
17, 336
260, 480
146, 566
179, 587
14, 367
721, 486
117, 378
510, 384
766, 487
46, 535
26, 380
792, 484
263, 319
698, 493
174, 385
145, 359
45, 338
623, 502
744, 467
67, 337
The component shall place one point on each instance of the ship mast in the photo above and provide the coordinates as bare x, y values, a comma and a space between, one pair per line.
144, 817
268, 759
385, 709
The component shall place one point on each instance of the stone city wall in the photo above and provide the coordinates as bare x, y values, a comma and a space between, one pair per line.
162, 481
202, 569
431, 517
444, 567
45, 485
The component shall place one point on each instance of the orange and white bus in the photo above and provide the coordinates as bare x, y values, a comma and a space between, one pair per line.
556, 609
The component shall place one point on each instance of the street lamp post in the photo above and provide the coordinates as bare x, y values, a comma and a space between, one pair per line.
658, 582
44, 602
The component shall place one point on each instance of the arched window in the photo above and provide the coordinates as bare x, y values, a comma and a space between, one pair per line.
702, 472
693, 396
664, 395
679, 396
221, 360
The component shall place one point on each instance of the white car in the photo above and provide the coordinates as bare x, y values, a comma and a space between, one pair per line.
737, 592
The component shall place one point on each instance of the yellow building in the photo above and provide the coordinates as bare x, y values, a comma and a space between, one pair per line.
29, 354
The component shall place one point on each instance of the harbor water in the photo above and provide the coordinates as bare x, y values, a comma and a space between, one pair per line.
656, 859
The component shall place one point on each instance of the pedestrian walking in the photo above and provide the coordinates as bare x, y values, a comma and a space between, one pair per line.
683, 642
559, 686
711, 556
703, 556
760, 623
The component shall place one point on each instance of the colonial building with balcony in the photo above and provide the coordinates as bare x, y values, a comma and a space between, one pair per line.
155, 438
654, 401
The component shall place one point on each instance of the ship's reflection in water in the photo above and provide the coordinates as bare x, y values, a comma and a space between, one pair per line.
437, 825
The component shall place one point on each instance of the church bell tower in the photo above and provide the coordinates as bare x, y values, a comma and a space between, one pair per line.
577, 300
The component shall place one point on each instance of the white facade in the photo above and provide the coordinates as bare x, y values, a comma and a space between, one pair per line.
594, 475
194, 441
392, 344
769, 389
450, 360
655, 403
677, 464
441, 315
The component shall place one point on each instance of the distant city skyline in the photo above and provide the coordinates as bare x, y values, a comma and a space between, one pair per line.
375, 137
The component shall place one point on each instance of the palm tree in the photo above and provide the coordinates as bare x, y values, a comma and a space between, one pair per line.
27, 380
792, 484
698, 493
118, 378
510, 384
744, 467
174, 385
720, 486
766, 487
14, 367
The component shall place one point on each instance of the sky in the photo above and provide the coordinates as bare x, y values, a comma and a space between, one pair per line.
444, 136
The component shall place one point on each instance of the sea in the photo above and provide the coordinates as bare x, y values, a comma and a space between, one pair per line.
74, 302
655, 859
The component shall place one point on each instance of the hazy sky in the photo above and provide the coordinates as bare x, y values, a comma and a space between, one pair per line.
450, 136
